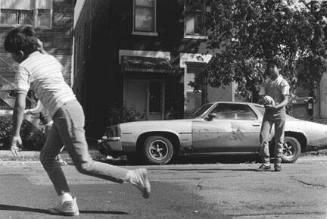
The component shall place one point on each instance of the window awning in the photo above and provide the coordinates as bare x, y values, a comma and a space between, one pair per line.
196, 67
146, 64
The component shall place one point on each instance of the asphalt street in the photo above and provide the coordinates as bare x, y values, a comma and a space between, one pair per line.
215, 190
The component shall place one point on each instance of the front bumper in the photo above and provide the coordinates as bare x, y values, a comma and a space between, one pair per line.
110, 146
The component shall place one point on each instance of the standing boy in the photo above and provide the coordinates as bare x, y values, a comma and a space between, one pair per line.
42, 73
275, 114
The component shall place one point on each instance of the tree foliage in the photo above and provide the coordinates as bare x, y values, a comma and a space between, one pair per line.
246, 34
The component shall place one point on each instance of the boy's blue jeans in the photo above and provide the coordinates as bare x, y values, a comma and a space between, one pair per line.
272, 119
68, 130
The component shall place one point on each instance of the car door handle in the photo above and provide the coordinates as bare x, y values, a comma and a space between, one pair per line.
256, 125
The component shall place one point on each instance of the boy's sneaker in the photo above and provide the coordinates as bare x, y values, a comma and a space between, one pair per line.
68, 208
140, 180
264, 167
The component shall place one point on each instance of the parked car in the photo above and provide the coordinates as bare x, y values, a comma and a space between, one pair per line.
215, 128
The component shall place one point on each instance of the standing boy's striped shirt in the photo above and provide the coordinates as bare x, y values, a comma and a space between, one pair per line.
42, 73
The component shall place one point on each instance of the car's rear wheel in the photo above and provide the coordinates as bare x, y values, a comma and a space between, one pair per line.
158, 150
291, 150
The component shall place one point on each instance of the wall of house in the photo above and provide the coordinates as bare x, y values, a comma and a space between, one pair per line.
103, 29
57, 40
94, 62
321, 104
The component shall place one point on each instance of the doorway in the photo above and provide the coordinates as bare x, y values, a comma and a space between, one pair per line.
146, 96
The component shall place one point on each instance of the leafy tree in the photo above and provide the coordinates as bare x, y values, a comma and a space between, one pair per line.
246, 34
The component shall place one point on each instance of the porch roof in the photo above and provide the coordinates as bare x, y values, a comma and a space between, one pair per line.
146, 64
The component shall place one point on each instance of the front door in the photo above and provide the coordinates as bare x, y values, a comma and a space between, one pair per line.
146, 97
211, 136
236, 128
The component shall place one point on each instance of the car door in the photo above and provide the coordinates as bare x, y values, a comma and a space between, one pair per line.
211, 135
235, 128
245, 129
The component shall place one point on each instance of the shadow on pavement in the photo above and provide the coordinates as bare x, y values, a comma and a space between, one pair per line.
44, 211
104, 212
21, 208
213, 170
198, 159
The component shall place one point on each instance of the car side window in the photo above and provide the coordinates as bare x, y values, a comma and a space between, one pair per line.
234, 112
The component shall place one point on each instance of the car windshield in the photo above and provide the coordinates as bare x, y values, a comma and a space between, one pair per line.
201, 110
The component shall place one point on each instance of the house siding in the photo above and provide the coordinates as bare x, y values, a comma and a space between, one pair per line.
103, 28
57, 40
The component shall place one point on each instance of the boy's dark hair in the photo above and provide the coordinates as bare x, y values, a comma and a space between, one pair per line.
21, 38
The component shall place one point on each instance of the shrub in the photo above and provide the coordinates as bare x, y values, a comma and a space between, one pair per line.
33, 138
5, 132
118, 114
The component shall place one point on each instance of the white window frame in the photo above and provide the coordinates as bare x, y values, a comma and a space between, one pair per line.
195, 35
35, 16
144, 33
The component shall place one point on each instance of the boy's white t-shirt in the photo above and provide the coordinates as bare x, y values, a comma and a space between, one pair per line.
42, 73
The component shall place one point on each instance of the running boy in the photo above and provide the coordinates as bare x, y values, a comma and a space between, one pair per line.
42, 73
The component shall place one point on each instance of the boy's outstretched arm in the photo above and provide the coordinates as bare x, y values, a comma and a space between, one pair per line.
18, 117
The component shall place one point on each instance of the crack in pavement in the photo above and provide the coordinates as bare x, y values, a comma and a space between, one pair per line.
309, 184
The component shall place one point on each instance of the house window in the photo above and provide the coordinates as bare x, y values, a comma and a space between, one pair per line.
144, 17
37, 13
194, 20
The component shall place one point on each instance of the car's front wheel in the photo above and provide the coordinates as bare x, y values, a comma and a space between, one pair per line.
158, 150
291, 150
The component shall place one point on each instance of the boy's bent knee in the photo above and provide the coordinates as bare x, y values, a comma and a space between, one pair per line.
84, 167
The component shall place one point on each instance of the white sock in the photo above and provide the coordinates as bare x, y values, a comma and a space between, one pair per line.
65, 197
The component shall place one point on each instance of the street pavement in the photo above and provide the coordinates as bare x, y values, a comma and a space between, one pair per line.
196, 190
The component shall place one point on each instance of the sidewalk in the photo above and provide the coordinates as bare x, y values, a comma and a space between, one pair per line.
6, 155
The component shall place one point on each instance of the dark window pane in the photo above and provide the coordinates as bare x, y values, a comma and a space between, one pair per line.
145, 3
144, 19
11, 16
155, 97
26, 17
43, 18
195, 20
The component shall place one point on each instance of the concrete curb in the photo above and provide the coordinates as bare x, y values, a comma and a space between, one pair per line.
6, 155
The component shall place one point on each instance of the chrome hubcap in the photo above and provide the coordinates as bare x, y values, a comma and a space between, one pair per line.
288, 150
158, 150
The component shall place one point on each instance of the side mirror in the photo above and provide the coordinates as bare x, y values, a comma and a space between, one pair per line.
211, 116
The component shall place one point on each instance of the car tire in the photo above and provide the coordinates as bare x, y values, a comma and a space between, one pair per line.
158, 150
291, 150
